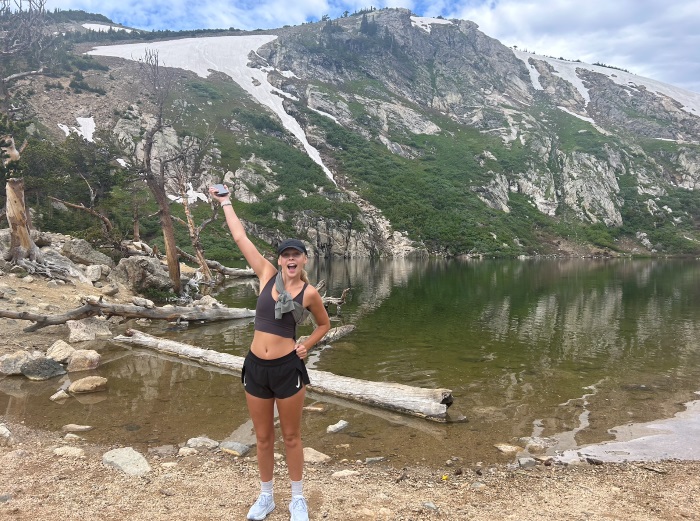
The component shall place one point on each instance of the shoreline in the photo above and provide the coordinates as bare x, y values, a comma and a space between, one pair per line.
38, 483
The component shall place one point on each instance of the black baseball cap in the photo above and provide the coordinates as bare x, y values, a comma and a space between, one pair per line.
292, 243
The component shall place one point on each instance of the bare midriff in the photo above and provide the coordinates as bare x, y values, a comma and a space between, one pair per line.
268, 346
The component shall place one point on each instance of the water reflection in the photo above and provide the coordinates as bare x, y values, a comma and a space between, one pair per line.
559, 349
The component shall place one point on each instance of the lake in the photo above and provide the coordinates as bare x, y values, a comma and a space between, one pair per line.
559, 350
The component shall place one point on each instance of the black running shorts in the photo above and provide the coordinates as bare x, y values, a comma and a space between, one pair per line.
277, 378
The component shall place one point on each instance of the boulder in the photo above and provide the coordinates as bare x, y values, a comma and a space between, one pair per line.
60, 351
142, 273
83, 360
88, 329
93, 272
127, 460
6, 439
42, 369
314, 456
234, 448
12, 363
80, 251
89, 384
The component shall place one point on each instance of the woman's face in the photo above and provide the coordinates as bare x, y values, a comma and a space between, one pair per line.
292, 261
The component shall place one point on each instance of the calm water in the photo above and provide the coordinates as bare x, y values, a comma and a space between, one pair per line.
564, 349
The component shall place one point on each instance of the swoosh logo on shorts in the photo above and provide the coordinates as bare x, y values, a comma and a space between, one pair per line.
298, 381
243, 381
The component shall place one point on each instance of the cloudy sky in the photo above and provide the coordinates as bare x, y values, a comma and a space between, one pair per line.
659, 39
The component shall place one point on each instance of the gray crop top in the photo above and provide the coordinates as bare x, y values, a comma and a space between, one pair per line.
265, 320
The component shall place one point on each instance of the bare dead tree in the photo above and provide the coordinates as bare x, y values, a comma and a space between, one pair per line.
24, 42
158, 83
187, 172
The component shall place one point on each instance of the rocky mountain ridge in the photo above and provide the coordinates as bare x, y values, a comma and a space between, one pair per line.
474, 136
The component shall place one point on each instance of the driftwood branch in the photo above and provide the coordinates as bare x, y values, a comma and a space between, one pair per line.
425, 403
96, 306
217, 266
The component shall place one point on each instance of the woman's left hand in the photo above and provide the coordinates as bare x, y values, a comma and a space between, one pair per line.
301, 350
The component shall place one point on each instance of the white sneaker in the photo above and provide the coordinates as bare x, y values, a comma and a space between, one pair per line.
263, 506
298, 510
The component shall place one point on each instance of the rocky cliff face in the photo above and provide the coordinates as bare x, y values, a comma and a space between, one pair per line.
450, 69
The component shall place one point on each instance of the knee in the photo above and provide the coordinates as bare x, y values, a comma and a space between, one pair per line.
265, 441
292, 439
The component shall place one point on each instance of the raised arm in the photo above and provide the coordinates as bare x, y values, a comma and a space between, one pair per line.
262, 267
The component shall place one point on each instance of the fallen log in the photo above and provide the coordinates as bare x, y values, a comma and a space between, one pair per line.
217, 266
430, 404
93, 306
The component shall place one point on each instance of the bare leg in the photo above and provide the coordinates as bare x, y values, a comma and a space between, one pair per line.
262, 413
289, 410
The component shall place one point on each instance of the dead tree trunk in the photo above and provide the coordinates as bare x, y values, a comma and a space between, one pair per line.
430, 404
93, 306
22, 246
217, 266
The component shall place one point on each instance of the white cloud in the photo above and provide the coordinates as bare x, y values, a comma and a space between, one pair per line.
647, 37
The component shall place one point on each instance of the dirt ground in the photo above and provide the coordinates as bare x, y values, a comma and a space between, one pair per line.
35, 483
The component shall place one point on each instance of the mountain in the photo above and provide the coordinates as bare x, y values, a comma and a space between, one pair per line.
383, 133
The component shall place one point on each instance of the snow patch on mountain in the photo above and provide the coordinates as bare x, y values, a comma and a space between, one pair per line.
568, 70
226, 54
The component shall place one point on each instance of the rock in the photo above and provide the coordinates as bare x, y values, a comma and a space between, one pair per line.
72, 437
140, 274
127, 460
93, 272
89, 384
208, 302
70, 452
6, 439
83, 360
80, 251
337, 427
187, 451
508, 449
72, 427
234, 448
110, 290
88, 329
202, 442
431, 506
16, 455
314, 456
60, 351
163, 451
38, 369
376, 459
477, 485
143, 302
12, 364
527, 463
59, 395
344, 473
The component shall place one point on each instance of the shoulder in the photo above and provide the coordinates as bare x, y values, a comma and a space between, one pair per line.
311, 294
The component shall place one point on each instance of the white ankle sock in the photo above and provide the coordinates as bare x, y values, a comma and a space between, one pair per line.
266, 487
298, 488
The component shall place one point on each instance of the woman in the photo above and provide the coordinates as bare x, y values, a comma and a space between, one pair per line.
274, 371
